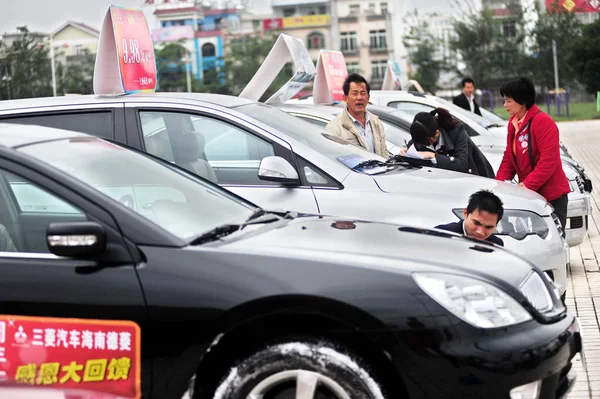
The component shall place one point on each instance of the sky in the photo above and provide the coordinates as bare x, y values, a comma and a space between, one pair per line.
48, 15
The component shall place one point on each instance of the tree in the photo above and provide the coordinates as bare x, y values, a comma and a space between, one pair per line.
77, 75
244, 56
170, 68
422, 50
585, 57
563, 27
492, 48
26, 66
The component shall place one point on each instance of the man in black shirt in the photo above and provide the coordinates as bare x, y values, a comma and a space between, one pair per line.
481, 216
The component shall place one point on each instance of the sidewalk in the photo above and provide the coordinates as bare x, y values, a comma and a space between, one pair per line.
582, 139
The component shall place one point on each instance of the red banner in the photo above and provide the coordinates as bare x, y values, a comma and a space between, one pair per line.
273, 23
336, 73
96, 355
134, 48
584, 6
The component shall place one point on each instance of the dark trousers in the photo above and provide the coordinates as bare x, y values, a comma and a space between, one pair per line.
560, 210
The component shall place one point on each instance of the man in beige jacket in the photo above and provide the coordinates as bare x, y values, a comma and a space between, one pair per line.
355, 124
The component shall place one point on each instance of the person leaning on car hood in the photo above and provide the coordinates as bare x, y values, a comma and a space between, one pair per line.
442, 139
357, 125
481, 216
533, 147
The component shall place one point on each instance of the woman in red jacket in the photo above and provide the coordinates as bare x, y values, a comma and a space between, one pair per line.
533, 148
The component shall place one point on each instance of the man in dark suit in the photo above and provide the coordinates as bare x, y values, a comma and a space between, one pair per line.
466, 100
481, 216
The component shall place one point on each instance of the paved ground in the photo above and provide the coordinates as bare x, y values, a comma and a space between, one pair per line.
583, 295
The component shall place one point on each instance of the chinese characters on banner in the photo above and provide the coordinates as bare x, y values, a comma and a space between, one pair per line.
95, 355
125, 62
331, 73
584, 6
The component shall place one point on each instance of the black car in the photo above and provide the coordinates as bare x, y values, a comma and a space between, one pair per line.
234, 301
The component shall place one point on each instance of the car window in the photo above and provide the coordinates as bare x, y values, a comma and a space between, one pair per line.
25, 213
210, 148
97, 123
395, 135
168, 196
410, 107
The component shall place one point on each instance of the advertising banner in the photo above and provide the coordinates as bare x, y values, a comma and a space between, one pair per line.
285, 47
96, 355
391, 81
125, 62
331, 73
582, 6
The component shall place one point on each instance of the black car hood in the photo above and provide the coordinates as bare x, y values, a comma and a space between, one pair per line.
377, 245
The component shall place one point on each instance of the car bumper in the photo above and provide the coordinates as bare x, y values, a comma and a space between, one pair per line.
491, 364
550, 254
578, 211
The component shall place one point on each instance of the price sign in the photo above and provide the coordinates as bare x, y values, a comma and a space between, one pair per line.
125, 62
95, 355
331, 73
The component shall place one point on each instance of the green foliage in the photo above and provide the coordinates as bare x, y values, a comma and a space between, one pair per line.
564, 28
244, 56
27, 63
170, 68
585, 57
76, 76
422, 51
492, 48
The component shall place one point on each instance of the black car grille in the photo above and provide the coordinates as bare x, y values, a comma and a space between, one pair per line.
580, 184
576, 222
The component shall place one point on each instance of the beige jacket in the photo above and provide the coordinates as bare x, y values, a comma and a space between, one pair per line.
343, 127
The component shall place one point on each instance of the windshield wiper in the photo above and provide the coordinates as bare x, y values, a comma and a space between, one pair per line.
259, 216
407, 162
371, 163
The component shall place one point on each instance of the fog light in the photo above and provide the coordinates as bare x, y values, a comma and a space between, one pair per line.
527, 391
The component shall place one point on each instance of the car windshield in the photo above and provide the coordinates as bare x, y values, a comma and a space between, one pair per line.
179, 202
468, 114
309, 134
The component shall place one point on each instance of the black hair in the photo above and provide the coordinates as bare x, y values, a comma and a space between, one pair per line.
356, 78
423, 127
444, 119
520, 90
485, 200
466, 80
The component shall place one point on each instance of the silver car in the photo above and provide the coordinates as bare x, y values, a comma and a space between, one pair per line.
279, 161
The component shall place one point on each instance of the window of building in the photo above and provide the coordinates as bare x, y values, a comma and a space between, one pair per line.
322, 10
208, 50
378, 69
378, 39
384, 8
79, 49
316, 40
288, 12
354, 8
372, 7
353, 67
349, 41
509, 28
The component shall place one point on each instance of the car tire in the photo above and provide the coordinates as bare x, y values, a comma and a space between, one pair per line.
282, 370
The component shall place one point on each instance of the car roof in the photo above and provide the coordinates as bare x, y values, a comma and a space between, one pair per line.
220, 99
15, 135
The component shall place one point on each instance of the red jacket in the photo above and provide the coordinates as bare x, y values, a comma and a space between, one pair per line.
548, 177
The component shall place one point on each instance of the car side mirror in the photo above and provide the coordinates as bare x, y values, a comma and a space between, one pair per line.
277, 169
76, 239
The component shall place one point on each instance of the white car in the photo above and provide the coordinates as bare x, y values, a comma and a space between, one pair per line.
320, 115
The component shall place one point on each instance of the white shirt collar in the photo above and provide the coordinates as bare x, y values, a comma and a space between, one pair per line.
354, 120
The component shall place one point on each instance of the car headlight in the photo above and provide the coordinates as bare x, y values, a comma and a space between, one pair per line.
517, 224
473, 301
